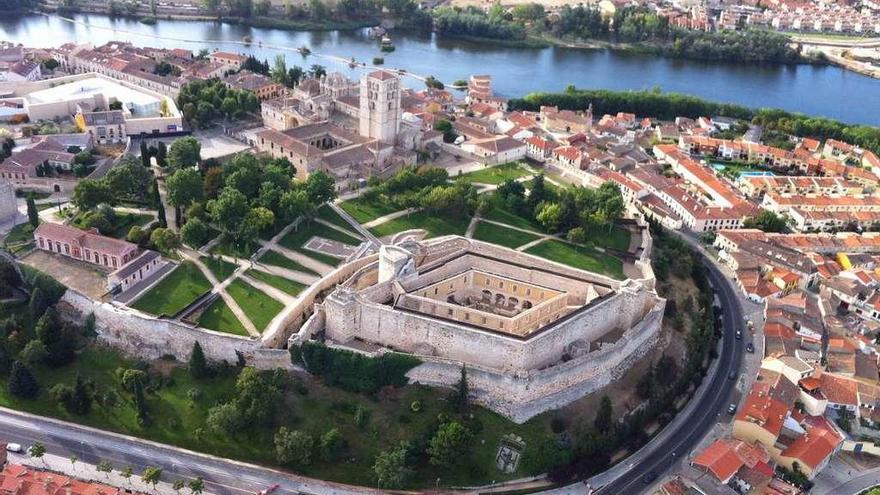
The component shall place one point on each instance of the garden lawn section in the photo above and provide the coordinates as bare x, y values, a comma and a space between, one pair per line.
582, 257
225, 247
275, 258
259, 307
617, 237
124, 222
22, 232
291, 287
365, 211
219, 317
436, 225
297, 238
499, 212
176, 291
497, 174
502, 236
221, 268
328, 214
308, 406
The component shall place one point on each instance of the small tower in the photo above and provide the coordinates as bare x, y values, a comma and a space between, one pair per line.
380, 111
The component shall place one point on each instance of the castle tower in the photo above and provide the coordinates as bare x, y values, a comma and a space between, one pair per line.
380, 110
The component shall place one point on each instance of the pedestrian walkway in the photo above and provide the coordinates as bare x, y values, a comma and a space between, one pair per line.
365, 233
220, 288
387, 218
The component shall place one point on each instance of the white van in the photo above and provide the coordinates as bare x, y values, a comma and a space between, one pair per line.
14, 447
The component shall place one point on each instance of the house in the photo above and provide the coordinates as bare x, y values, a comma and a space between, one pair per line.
501, 149
84, 245
726, 456
232, 60
263, 87
140, 268
16, 479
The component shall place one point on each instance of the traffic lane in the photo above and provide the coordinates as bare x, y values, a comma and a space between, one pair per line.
660, 460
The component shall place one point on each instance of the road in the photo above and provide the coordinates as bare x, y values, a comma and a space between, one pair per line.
222, 476
687, 431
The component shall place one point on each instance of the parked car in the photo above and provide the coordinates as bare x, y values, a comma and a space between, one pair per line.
731, 375
731, 409
738, 334
750, 348
14, 447
649, 477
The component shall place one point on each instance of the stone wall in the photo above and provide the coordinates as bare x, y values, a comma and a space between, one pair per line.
523, 396
147, 337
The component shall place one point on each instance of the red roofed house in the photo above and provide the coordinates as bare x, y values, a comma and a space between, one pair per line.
16, 479
812, 450
84, 245
727, 456
538, 148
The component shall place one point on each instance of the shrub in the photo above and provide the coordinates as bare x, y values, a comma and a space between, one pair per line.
355, 372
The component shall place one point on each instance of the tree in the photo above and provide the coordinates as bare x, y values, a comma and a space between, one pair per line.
445, 126
33, 214
391, 467
320, 187
462, 390
34, 352
195, 233
164, 239
152, 475
185, 186
178, 485
198, 365
73, 460
537, 192
105, 467
767, 221
127, 472
448, 445
197, 486
37, 451
129, 179
577, 235
294, 204
331, 444
185, 152
38, 303
293, 447
549, 215
229, 210
89, 193
604, 416
22, 382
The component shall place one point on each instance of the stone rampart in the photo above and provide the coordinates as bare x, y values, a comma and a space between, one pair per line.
522, 396
147, 337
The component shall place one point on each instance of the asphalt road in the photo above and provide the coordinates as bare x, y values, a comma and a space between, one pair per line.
222, 476
712, 408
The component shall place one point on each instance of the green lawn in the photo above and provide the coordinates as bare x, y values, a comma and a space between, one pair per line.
225, 246
434, 224
219, 317
291, 287
618, 238
365, 211
257, 305
329, 215
499, 212
496, 174
22, 232
501, 235
582, 257
221, 268
270, 257
296, 239
175, 292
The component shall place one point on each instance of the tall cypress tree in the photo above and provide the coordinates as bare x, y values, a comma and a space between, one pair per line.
33, 214
22, 382
198, 366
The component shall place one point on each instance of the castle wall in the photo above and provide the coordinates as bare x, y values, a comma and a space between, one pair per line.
349, 316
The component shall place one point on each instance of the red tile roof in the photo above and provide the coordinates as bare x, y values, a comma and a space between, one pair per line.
21, 480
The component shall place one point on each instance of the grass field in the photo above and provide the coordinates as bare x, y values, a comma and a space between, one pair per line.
21, 233
582, 257
221, 269
496, 174
296, 239
329, 214
275, 258
501, 235
617, 238
226, 247
175, 292
291, 287
499, 212
365, 211
219, 317
434, 224
257, 305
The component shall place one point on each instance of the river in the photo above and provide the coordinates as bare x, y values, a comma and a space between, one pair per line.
826, 91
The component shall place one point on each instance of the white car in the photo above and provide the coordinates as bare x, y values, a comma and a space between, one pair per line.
14, 447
